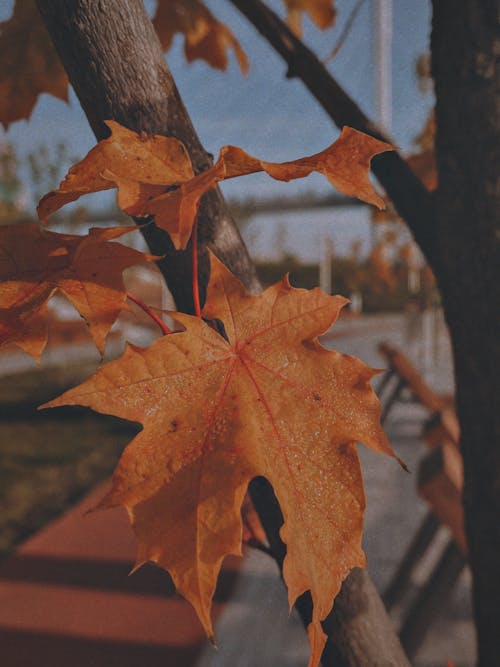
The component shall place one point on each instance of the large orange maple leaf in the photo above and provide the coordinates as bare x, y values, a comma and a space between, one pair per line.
270, 401
30, 64
35, 264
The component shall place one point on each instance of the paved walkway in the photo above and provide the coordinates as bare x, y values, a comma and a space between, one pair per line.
66, 599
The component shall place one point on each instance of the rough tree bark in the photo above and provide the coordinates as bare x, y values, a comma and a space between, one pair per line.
117, 69
115, 65
465, 49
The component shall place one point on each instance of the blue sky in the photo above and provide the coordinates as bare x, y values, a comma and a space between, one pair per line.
268, 115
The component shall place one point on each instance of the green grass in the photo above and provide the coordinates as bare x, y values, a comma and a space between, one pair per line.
49, 459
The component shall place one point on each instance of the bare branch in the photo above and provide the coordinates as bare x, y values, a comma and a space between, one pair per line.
409, 196
345, 32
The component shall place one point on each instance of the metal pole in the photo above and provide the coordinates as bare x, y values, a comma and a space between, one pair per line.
383, 62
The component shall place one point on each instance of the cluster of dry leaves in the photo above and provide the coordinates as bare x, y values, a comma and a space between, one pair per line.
30, 64
266, 399
142, 168
36, 263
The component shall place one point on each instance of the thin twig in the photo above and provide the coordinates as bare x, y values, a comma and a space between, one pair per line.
194, 255
164, 328
345, 32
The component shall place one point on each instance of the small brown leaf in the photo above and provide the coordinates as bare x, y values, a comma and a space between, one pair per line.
424, 165
322, 12
140, 167
35, 263
30, 64
205, 37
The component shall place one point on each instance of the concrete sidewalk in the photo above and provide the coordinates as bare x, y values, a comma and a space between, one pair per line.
66, 599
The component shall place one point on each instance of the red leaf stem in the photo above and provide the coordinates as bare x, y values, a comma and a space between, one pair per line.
164, 328
194, 255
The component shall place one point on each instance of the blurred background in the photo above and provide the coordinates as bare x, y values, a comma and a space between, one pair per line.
378, 51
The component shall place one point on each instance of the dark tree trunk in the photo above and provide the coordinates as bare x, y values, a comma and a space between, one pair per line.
115, 64
465, 49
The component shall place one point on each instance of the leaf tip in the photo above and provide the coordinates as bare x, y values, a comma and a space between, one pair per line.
137, 566
402, 464
46, 405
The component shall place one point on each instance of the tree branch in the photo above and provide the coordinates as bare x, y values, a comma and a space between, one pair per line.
345, 32
135, 88
409, 196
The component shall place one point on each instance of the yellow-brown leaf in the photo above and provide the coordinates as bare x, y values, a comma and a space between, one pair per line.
322, 12
140, 166
346, 164
205, 37
30, 64
35, 263
268, 401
